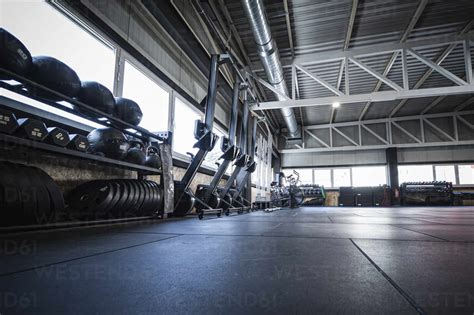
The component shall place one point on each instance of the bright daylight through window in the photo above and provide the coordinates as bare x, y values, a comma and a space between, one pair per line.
62, 39
152, 98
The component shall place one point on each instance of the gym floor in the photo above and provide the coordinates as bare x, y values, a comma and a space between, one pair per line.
307, 260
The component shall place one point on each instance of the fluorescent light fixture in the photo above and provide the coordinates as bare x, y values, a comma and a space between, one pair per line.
336, 104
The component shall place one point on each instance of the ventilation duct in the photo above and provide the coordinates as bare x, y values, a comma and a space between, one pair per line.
270, 58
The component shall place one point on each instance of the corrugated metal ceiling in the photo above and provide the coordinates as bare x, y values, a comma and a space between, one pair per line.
320, 25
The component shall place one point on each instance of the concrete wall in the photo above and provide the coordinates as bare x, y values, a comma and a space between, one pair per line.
140, 29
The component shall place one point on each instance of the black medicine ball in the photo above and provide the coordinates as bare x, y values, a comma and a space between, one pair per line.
128, 111
55, 75
96, 95
14, 56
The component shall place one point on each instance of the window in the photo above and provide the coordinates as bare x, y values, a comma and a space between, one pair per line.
466, 174
46, 31
152, 98
342, 177
322, 178
445, 173
415, 173
306, 175
184, 120
369, 176
213, 156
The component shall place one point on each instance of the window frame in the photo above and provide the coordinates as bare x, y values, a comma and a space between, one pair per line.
176, 154
121, 58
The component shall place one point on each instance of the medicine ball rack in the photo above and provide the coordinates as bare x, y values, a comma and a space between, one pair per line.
107, 121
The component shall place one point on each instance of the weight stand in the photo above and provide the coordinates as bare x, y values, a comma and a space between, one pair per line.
243, 159
206, 141
206, 192
250, 167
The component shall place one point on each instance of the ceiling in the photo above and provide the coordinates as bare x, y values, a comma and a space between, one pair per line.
317, 26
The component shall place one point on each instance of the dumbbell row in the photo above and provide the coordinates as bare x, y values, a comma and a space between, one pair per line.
108, 142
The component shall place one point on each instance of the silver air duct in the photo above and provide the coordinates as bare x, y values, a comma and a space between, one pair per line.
268, 52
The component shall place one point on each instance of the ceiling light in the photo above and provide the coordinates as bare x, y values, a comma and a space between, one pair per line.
336, 105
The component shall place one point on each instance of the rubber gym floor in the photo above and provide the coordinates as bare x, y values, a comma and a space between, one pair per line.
298, 261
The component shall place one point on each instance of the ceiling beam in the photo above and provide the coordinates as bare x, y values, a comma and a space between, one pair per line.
414, 20
371, 50
436, 67
319, 80
347, 40
369, 97
438, 61
389, 120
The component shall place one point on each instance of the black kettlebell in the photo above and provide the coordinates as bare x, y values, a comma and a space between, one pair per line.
136, 153
153, 159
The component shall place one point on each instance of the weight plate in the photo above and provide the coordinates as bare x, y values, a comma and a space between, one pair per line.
55, 194
45, 212
145, 190
116, 197
138, 198
159, 200
154, 198
91, 198
147, 206
11, 208
130, 199
123, 190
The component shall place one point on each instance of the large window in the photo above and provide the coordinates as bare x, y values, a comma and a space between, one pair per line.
415, 173
323, 178
152, 98
306, 175
466, 174
184, 119
342, 177
46, 31
369, 176
445, 173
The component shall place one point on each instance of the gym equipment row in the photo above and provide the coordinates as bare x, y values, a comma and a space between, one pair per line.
50, 81
28, 196
211, 199
110, 199
427, 193
286, 191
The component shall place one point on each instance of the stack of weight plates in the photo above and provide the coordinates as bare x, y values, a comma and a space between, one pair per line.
28, 196
118, 198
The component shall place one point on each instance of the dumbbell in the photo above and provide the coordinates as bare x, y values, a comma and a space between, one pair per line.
78, 143
57, 136
8, 122
32, 129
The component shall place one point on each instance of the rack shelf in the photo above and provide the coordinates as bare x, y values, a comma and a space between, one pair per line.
11, 140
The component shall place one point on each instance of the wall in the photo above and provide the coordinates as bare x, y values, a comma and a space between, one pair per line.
136, 25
